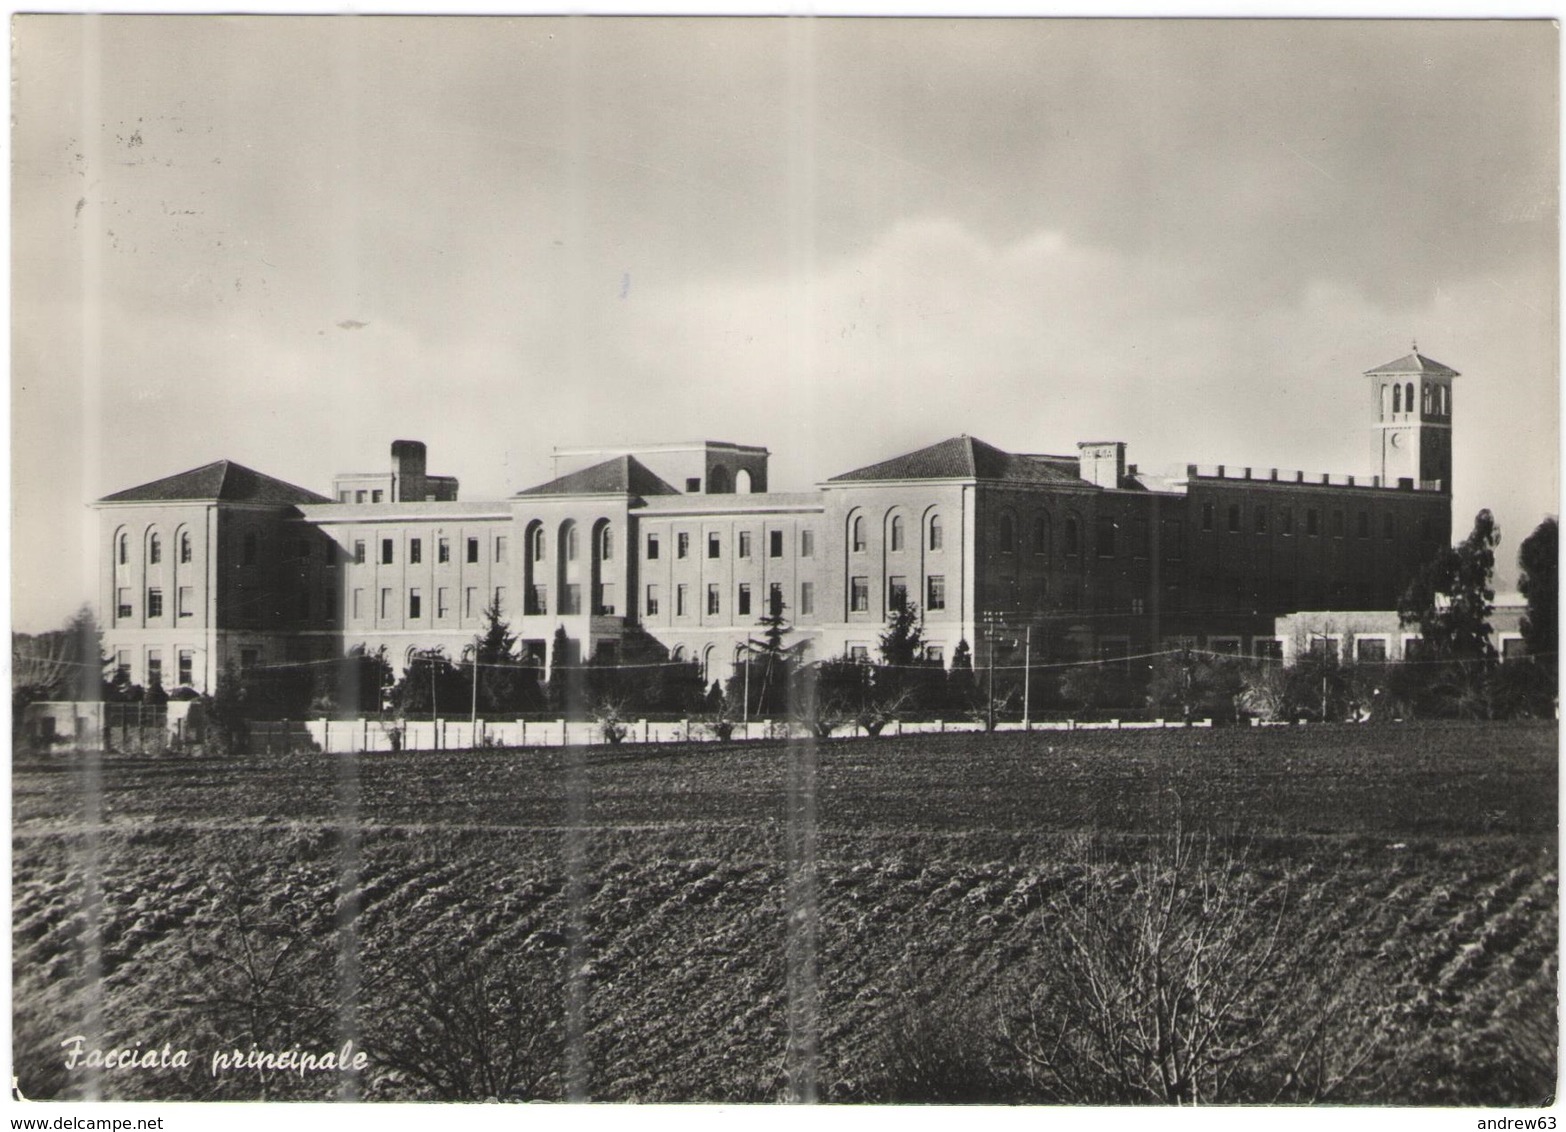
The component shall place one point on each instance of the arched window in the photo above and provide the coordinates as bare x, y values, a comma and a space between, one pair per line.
678, 655
1041, 534
536, 544
742, 482
858, 529
1408, 397
184, 546
935, 532
154, 549
572, 543
124, 551
1072, 536
1007, 533
1397, 398
897, 532
1424, 402
606, 543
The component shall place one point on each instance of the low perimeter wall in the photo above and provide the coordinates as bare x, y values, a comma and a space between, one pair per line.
334, 735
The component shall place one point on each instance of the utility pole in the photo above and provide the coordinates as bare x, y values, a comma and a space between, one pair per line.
991, 620
1027, 677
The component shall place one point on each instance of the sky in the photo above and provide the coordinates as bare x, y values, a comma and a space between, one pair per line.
287, 241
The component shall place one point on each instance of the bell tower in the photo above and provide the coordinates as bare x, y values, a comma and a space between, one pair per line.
1412, 400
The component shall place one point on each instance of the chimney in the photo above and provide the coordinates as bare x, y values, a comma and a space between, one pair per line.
408, 474
1103, 462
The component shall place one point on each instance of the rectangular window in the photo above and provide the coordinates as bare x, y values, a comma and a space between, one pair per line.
1139, 541
744, 600
744, 544
387, 551
443, 603
714, 547
187, 667
154, 667
859, 595
415, 550
1389, 525
682, 545
1513, 649
500, 598
1267, 648
469, 598
774, 544
712, 599
329, 603
154, 603
681, 600
122, 663
606, 599
807, 544
358, 552
537, 600
386, 604
935, 654
859, 654
652, 547
187, 601
693, 484
500, 548
1312, 522
358, 496
652, 601
1285, 521
1261, 519
1207, 516
248, 659
1370, 650
1337, 523
936, 598
775, 599
807, 599
897, 592
345, 497
1362, 524
443, 550
472, 550
1106, 536
358, 604
1234, 518
376, 496
1172, 536
571, 598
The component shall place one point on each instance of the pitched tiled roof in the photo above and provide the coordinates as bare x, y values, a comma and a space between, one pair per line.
224, 481
623, 475
1415, 363
964, 457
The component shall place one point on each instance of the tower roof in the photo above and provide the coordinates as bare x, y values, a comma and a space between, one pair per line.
221, 481
1414, 363
623, 475
963, 457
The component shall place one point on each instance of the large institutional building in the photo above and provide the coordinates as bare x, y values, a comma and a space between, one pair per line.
681, 547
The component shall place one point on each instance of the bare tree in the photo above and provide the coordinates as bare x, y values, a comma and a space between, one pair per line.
1185, 982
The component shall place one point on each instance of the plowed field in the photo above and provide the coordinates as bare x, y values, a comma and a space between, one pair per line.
749, 923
